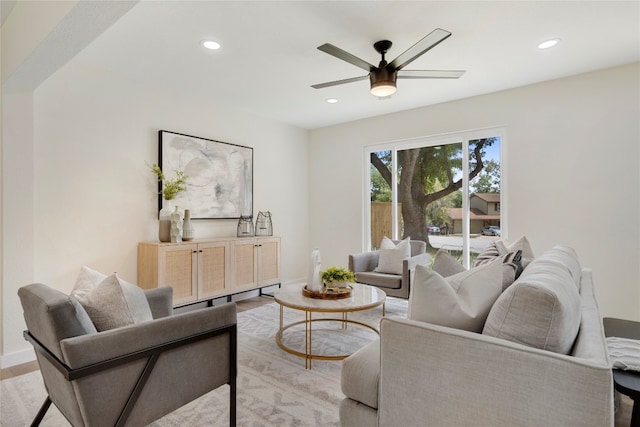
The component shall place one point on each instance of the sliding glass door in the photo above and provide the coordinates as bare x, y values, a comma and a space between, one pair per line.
444, 191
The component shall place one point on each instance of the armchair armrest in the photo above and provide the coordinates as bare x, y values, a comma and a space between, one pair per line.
365, 261
160, 301
450, 377
89, 349
162, 363
409, 264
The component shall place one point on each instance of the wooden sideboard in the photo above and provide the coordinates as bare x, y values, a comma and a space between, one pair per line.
201, 270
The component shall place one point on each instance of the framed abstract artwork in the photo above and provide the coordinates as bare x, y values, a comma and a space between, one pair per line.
219, 175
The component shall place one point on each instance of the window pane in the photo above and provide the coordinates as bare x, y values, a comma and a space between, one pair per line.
430, 195
380, 196
484, 193
429, 180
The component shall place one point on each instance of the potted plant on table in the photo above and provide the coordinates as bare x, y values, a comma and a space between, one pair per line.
338, 277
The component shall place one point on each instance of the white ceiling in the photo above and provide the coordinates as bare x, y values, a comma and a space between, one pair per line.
269, 57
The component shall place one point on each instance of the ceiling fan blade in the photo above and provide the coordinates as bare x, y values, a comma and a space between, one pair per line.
428, 42
339, 82
346, 56
430, 74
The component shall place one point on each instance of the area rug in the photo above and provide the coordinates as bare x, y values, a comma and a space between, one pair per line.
274, 388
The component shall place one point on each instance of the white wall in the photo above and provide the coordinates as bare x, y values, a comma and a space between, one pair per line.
572, 168
95, 199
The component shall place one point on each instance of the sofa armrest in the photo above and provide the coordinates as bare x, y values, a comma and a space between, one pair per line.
451, 377
365, 261
160, 301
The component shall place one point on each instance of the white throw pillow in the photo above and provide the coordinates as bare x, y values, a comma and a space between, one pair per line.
113, 302
461, 301
446, 265
87, 281
392, 255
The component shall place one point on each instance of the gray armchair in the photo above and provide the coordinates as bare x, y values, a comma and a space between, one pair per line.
134, 374
395, 285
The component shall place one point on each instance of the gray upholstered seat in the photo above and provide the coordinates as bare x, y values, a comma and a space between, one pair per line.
395, 285
134, 374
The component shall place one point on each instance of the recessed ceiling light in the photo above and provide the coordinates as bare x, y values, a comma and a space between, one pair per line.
332, 101
211, 45
548, 43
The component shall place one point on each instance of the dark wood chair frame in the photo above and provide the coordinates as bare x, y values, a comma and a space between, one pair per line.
152, 353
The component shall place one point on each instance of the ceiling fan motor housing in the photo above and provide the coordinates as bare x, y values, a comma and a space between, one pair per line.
382, 77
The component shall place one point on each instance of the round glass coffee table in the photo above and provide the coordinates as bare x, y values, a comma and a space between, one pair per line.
363, 297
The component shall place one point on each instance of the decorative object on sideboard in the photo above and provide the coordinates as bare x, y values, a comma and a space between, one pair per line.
168, 189
176, 226
188, 233
245, 226
264, 226
220, 174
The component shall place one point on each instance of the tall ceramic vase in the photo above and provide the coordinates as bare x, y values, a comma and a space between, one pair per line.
164, 230
187, 227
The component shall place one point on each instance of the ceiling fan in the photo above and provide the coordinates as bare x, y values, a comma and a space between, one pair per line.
383, 77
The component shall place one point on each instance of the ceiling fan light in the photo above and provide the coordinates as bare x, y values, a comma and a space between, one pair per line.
383, 82
382, 89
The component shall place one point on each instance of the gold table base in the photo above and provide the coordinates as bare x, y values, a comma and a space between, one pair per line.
308, 321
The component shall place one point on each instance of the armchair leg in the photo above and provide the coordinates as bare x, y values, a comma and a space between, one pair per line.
232, 404
41, 413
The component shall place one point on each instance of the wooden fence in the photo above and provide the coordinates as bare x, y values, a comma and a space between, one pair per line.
381, 221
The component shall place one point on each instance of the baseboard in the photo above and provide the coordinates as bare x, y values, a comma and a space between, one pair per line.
17, 358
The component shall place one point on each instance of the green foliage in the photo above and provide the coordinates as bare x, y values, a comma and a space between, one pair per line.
338, 274
429, 181
488, 181
380, 191
171, 187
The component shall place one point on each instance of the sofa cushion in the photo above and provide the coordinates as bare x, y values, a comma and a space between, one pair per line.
392, 255
521, 244
500, 248
114, 303
86, 281
446, 265
383, 280
460, 301
541, 309
361, 374
490, 253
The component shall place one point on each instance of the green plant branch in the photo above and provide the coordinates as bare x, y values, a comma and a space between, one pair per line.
171, 187
338, 274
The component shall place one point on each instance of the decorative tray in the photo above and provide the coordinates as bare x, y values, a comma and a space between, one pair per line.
328, 293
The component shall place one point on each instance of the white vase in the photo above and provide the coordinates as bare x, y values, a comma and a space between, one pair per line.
176, 226
164, 217
187, 227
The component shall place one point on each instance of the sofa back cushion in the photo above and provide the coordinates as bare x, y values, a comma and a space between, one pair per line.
459, 301
542, 308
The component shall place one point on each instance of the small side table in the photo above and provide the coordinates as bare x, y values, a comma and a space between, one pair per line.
626, 382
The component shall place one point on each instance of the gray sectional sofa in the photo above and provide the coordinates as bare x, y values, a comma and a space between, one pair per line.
514, 373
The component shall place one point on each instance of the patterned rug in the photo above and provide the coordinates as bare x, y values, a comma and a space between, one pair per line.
274, 388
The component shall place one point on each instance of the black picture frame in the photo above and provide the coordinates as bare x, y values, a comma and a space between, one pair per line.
219, 175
